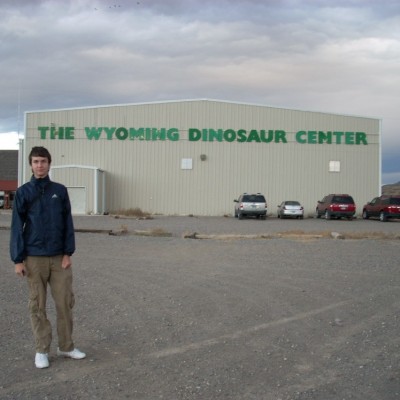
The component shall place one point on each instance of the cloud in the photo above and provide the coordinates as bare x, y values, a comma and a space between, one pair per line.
340, 57
9, 141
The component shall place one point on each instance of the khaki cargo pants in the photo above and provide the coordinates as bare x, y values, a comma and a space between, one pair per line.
40, 272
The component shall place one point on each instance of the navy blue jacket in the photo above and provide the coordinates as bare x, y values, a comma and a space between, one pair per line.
41, 221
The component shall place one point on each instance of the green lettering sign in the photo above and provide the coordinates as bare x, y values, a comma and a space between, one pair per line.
361, 137
93, 133
194, 135
205, 135
121, 133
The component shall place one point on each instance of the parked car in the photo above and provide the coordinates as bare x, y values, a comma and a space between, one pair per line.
336, 206
290, 208
384, 207
250, 205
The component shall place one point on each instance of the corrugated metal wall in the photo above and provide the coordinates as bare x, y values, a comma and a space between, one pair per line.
148, 174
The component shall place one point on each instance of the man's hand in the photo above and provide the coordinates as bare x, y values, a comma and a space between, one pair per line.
66, 262
20, 269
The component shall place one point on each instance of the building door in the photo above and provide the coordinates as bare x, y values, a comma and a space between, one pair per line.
77, 197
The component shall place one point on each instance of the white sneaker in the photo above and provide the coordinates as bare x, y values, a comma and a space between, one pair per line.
75, 354
41, 360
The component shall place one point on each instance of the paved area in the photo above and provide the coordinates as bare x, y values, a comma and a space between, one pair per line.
280, 318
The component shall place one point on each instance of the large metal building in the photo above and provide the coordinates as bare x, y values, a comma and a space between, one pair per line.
196, 156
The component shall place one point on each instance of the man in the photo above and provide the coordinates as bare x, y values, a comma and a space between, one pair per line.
42, 243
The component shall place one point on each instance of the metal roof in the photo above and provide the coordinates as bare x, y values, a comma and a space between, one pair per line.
195, 100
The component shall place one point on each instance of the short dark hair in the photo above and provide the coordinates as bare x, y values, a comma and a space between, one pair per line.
39, 151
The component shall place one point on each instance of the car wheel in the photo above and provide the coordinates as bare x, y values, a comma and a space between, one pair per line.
327, 214
365, 214
382, 217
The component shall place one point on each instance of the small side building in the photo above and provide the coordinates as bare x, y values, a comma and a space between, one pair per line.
8, 177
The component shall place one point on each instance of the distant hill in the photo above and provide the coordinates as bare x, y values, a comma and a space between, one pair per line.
393, 188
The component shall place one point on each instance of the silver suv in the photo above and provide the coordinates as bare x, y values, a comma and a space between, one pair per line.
250, 205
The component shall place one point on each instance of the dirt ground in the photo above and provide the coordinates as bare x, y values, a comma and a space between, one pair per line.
269, 317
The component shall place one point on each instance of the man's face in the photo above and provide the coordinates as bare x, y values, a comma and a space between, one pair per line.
40, 167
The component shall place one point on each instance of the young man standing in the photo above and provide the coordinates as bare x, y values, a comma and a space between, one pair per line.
42, 243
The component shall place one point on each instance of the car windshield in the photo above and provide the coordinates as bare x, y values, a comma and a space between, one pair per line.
253, 198
343, 199
395, 200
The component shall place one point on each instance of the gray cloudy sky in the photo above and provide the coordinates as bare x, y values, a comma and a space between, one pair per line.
334, 56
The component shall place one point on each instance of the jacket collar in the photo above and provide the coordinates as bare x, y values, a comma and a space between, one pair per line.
40, 183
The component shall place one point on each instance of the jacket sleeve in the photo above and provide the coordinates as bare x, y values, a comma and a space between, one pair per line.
17, 243
69, 233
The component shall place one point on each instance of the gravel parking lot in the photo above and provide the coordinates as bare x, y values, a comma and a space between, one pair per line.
290, 315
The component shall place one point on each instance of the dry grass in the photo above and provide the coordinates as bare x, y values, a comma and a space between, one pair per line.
131, 212
371, 235
297, 235
347, 235
156, 232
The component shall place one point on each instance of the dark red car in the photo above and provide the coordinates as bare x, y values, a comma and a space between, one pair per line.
383, 207
336, 206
